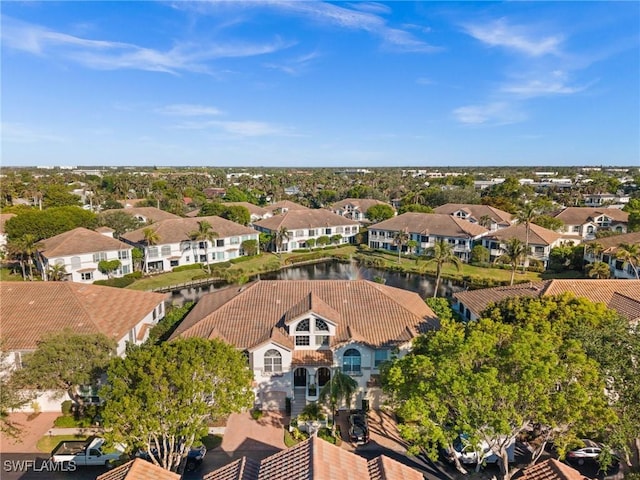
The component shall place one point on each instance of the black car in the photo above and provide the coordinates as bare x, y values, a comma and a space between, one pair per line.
358, 428
194, 457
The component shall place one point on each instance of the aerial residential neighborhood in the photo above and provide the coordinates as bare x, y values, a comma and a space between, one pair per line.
310, 239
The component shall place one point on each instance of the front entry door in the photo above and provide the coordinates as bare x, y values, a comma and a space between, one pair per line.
323, 376
300, 377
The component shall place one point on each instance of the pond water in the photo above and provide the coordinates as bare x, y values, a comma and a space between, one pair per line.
333, 270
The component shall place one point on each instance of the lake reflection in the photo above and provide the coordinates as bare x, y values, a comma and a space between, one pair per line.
333, 270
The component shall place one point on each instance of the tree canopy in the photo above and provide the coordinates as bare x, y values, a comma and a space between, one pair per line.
48, 223
522, 364
161, 396
380, 212
65, 360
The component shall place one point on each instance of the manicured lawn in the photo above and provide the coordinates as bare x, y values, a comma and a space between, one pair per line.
7, 275
47, 443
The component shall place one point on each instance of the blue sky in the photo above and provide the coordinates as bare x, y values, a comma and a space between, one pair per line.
277, 83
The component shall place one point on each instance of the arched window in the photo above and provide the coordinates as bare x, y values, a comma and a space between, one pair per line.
351, 361
321, 325
272, 361
303, 326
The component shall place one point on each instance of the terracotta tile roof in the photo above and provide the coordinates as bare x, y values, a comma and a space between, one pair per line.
242, 469
78, 241
139, 469
312, 303
385, 468
611, 244
288, 204
178, 229
103, 230
301, 219
581, 215
376, 314
537, 234
312, 357
253, 209
32, 310
150, 213
362, 204
476, 212
622, 293
3, 219
552, 469
431, 224
317, 459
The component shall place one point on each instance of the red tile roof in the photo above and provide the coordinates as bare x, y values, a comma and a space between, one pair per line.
312, 357
139, 469
624, 294
150, 213
302, 219
32, 310
581, 215
317, 459
78, 241
611, 244
476, 212
537, 234
364, 311
552, 469
431, 224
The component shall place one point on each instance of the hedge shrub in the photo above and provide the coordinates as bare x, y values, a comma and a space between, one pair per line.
121, 282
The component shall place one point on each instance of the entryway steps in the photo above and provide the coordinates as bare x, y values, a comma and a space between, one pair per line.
299, 401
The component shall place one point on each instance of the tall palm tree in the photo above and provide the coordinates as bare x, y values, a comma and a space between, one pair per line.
630, 253
485, 221
56, 272
204, 234
400, 238
280, 238
596, 249
525, 216
26, 248
151, 238
441, 254
514, 253
340, 387
598, 270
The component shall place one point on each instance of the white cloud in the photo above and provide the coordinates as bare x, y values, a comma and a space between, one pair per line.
493, 114
19, 133
188, 110
110, 55
553, 83
246, 128
294, 66
500, 33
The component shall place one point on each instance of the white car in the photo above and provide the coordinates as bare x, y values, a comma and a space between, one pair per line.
581, 454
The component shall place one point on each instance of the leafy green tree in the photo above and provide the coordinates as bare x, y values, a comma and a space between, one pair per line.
48, 223
211, 209
441, 307
633, 209
379, 213
108, 267
120, 221
548, 222
310, 242
414, 207
514, 254
234, 194
441, 254
265, 240
323, 241
58, 196
237, 214
173, 390
335, 239
479, 254
172, 318
249, 247
66, 360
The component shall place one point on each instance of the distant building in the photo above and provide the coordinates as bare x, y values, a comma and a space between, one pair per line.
485, 215
608, 249
585, 222
355, 208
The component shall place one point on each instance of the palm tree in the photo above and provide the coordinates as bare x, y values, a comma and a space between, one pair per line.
151, 238
24, 250
598, 270
441, 253
401, 238
485, 221
514, 253
630, 253
56, 272
280, 238
525, 216
596, 249
340, 387
204, 234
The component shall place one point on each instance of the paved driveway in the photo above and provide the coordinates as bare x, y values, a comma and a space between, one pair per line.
32, 431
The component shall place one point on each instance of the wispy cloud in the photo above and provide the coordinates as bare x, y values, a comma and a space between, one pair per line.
112, 55
500, 33
246, 128
188, 110
19, 133
294, 66
490, 114
555, 83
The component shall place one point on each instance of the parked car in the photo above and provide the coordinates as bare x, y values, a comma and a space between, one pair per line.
84, 453
194, 457
464, 451
358, 428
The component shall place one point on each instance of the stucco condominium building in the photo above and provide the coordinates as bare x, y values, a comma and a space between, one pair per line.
297, 333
